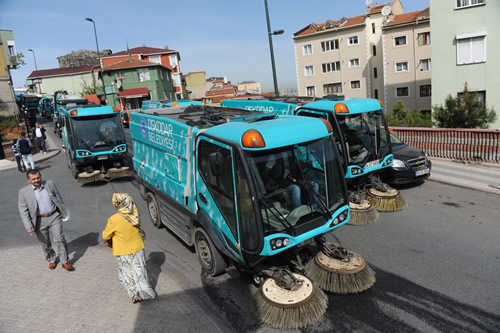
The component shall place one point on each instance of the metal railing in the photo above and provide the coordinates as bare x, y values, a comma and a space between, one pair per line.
454, 143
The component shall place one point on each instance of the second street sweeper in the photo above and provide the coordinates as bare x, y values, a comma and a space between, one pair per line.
246, 193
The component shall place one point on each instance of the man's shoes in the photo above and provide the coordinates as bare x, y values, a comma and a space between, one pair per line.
52, 265
67, 266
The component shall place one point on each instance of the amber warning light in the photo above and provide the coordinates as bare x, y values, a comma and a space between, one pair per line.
341, 108
252, 139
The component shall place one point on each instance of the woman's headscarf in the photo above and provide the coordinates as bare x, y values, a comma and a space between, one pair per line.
126, 207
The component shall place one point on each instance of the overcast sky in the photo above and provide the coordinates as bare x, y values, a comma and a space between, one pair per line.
220, 37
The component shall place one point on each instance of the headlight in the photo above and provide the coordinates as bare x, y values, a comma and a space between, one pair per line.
398, 164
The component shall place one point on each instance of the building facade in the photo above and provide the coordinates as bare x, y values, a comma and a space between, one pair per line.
166, 57
195, 85
250, 87
131, 81
8, 104
71, 79
467, 32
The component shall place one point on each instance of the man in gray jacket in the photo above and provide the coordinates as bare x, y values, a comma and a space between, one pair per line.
42, 211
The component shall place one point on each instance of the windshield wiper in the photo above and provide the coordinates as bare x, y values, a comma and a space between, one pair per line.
264, 200
102, 137
85, 143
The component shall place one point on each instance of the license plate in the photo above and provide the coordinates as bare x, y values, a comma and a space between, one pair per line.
371, 164
422, 172
102, 157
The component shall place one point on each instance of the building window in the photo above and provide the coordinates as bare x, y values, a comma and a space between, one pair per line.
352, 40
471, 49
173, 60
402, 92
331, 67
375, 93
374, 50
307, 50
120, 74
355, 84
469, 3
424, 38
161, 74
425, 65
310, 91
177, 79
375, 73
143, 74
354, 62
309, 70
401, 66
425, 90
332, 88
156, 59
330, 45
399, 41
373, 28
480, 94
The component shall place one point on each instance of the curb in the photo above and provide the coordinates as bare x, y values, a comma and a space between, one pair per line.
38, 157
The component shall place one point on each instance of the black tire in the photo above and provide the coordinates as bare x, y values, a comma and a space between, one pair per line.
154, 210
210, 258
74, 169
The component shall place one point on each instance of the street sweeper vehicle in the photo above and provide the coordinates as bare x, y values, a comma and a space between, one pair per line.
366, 150
255, 191
93, 141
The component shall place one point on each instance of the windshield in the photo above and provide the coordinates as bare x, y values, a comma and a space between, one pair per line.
366, 136
298, 183
98, 132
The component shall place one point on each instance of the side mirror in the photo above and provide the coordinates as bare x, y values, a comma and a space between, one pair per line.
216, 163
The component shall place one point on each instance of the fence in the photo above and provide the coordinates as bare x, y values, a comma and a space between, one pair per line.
460, 144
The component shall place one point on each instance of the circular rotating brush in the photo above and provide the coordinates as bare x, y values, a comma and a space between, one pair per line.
338, 270
386, 201
362, 213
293, 308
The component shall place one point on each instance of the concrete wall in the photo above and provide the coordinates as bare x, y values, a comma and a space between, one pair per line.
447, 77
196, 83
71, 83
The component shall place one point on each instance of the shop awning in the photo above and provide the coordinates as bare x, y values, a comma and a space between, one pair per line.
133, 93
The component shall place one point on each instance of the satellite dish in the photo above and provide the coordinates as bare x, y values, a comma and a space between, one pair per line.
387, 10
119, 84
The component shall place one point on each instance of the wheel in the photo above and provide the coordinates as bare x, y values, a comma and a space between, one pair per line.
258, 279
68, 159
154, 210
74, 169
210, 258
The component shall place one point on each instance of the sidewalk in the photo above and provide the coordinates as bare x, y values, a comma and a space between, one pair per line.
474, 175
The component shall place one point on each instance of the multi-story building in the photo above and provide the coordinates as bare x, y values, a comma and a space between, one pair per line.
131, 81
467, 33
166, 57
196, 85
407, 60
71, 79
250, 87
8, 61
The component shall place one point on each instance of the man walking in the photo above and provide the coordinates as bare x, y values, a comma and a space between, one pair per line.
39, 135
42, 211
24, 146
17, 155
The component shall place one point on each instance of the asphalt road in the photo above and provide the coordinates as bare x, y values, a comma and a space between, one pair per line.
437, 261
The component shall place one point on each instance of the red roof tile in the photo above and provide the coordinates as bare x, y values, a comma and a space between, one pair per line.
132, 63
60, 71
313, 27
145, 50
408, 17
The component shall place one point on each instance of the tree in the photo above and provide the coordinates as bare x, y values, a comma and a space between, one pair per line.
400, 116
89, 89
464, 111
17, 60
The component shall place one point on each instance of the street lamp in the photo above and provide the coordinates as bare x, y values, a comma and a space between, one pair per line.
270, 34
36, 68
98, 56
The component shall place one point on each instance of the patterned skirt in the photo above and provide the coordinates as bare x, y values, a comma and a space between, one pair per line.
134, 275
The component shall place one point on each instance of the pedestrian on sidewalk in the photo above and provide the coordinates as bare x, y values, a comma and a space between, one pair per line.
24, 145
39, 135
42, 211
17, 155
124, 236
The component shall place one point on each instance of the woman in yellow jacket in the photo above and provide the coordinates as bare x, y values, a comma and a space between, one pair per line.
122, 233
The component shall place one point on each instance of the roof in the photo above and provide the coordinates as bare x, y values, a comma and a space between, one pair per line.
330, 25
408, 18
60, 71
133, 63
145, 50
133, 93
229, 90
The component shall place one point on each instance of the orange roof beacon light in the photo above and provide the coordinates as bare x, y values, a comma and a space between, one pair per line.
115, 109
341, 108
328, 125
175, 105
381, 104
73, 112
252, 139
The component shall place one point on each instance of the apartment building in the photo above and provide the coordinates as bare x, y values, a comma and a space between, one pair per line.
406, 50
467, 32
196, 85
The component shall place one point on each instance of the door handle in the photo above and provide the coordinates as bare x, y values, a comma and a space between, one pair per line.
202, 198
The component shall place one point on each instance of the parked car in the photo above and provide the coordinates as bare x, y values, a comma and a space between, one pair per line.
125, 119
410, 164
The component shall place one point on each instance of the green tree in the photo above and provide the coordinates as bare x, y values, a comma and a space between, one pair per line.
89, 89
17, 60
464, 111
400, 116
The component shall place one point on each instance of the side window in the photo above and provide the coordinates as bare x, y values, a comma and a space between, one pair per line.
220, 187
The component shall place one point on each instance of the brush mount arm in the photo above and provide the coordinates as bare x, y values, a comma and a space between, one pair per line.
284, 278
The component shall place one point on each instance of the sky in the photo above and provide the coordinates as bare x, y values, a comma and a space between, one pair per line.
219, 37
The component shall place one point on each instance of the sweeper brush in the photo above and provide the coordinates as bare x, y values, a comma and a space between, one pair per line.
389, 201
340, 271
119, 172
90, 177
297, 304
362, 213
